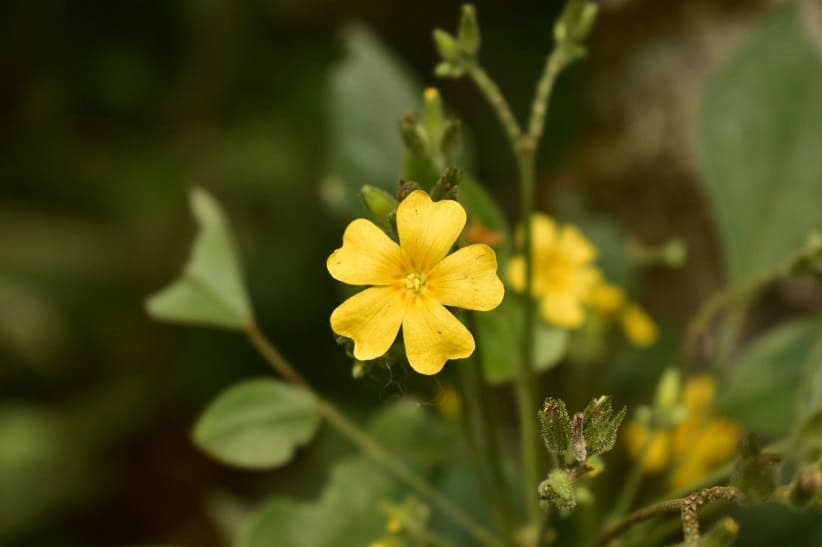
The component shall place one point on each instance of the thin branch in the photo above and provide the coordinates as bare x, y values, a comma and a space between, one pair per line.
369, 445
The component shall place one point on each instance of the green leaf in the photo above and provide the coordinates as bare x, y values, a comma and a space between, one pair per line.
370, 91
499, 337
257, 424
766, 380
760, 133
210, 290
347, 512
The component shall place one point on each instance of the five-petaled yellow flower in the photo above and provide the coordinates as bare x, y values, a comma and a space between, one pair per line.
563, 272
411, 283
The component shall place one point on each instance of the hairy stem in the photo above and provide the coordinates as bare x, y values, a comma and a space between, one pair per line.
368, 445
686, 506
495, 97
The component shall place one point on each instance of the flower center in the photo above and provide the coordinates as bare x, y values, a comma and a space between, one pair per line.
413, 282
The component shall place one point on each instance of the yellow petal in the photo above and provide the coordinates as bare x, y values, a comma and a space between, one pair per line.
371, 318
467, 279
575, 247
638, 326
543, 233
659, 451
428, 230
516, 273
564, 310
433, 335
367, 257
607, 298
699, 392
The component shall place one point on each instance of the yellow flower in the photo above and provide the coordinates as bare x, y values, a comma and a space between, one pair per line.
695, 447
638, 326
563, 275
411, 283
607, 298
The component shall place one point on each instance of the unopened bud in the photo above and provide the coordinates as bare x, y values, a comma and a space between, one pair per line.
451, 140
601, 425
469, 34
558, 488
446, 44
667, 390
413, 135
433, 115
555, 426
380, 204
578, 437
756, 473
805, 488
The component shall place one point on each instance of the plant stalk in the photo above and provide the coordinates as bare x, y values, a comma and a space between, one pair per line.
368, 444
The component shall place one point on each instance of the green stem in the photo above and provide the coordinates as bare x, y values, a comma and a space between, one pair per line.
482, 428
495, 97
689, 504
631, 485
368, 445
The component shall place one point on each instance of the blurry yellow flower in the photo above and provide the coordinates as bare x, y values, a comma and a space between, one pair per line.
638, 326
607, 298
393, 525
412, 283
563, 274
695, 447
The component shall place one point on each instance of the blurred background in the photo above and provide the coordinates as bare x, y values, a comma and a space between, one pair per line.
111, 111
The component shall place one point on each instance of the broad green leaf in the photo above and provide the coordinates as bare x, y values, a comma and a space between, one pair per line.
370, 91
760, 136
766, 380
257, 424
408, 429
210, 290
347, 512
499, 338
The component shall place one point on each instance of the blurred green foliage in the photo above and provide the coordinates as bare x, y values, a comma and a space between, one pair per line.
112, 111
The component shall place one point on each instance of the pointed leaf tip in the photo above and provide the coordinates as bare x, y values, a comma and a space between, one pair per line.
210, 290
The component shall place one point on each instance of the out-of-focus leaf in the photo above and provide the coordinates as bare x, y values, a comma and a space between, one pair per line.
347, 513
760, 133
499, 338
211, 289
409, 430
30, 325
257, 424
811, 13
370, 91
765, 382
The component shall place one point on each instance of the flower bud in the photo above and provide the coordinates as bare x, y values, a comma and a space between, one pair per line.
451, 140
667, 390
756, 473
601, 425
558, 488
380, 204
447, 45
555, 426
805, 488
433, 115
413, 135
469, 34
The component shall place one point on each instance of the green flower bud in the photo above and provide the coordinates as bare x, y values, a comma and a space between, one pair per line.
413, 135
805, 488
756, 473
558, 488
380, 204
555, 426
469, 34
448, 70
667, 390
433, 115
447, 45
600, 425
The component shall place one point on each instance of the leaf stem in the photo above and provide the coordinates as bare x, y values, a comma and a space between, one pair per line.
497, 100
631, 485
687, 506
368, 444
